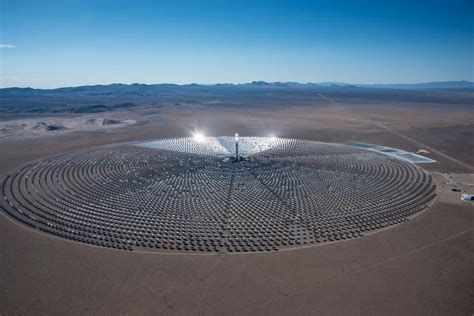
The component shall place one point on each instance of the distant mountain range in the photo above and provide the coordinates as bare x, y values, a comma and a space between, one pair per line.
123, 97
463, 84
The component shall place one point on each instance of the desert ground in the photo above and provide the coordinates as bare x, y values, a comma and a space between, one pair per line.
423, 266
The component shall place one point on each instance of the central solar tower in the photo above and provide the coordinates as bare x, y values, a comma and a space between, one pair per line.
236, 147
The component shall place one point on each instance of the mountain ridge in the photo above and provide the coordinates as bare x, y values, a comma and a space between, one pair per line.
460, 84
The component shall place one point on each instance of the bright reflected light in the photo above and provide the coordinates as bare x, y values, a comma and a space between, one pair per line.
273, 138
199, 137
236, 136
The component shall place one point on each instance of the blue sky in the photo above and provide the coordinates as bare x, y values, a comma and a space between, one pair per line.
66, 43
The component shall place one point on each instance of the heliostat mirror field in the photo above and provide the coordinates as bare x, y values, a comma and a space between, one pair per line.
187, 195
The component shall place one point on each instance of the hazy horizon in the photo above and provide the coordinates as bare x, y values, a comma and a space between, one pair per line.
51, 43
321, 83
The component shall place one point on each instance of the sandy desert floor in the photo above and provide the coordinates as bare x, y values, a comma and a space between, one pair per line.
423, 266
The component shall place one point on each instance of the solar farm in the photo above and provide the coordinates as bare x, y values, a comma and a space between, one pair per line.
191, 195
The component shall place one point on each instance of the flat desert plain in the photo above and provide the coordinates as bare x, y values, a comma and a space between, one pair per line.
422, 266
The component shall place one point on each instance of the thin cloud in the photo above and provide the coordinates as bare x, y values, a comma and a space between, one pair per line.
7, 46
